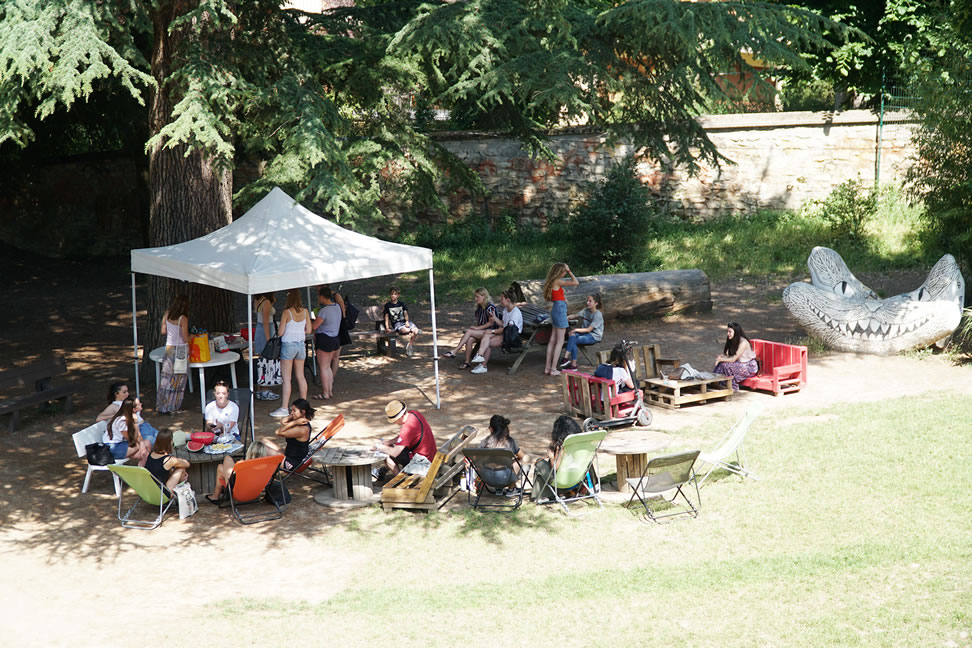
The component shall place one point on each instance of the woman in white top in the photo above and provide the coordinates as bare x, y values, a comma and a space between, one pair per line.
295, 325
222, 414
122, 434
737, 359
175, 328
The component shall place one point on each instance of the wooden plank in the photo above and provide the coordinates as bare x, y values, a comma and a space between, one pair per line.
396, 480
426, 484
42, 370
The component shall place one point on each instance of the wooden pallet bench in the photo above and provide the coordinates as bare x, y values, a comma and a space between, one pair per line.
40, 374
438, 486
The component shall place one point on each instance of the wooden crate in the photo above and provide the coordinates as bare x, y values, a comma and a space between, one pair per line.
672, 394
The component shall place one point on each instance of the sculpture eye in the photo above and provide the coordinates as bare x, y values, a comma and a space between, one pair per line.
923, 295
845, 289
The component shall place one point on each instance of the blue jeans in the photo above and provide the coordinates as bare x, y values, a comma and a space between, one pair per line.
574, 340
148, 432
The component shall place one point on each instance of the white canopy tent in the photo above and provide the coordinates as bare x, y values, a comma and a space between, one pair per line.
279, 245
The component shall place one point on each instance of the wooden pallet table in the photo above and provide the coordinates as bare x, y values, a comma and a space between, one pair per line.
672, 394
351, 470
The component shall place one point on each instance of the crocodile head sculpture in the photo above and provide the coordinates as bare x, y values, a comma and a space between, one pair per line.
840, 310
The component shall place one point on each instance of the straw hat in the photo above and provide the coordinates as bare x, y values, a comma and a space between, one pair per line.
394, 410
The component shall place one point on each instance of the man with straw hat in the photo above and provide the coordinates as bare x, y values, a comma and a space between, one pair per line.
414, 444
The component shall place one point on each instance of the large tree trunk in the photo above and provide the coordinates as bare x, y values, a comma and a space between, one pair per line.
190, 196
636, 293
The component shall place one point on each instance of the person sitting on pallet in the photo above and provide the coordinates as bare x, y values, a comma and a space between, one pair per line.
396, 319
512, 317
413, 448
616, 369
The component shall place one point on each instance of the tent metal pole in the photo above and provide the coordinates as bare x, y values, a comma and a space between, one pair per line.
249, 327
313, 357
435, 342
135, 336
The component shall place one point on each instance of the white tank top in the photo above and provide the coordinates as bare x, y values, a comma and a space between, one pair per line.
294, 332
173, 333
259, 312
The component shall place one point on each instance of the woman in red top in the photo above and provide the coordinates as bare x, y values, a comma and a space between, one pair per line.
553, 290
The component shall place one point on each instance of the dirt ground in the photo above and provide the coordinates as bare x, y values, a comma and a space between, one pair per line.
57, 544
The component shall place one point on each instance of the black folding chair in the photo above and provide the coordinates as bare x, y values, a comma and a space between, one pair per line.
667, 473
500, 474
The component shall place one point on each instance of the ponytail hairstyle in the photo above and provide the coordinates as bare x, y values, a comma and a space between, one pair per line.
597, 299
619, 358
556, 272
499, 429
113, 390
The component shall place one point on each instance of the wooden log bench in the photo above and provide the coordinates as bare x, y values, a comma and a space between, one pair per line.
40, 375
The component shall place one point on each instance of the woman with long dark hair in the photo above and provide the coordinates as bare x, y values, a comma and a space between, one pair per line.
122, 435
175, 328
737, 359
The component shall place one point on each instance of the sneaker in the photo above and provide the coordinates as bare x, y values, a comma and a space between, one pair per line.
409, 351
481, 369
565, 364
479, 358
280, 412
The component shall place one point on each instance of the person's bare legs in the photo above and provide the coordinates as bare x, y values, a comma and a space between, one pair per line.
321, 357
553, 349
176, 476
223, 473
474, 335
286, 372
301, 381
335, 363
327, 376
489, 343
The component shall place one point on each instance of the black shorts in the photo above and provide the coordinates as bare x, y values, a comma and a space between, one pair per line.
403, 458
327, 342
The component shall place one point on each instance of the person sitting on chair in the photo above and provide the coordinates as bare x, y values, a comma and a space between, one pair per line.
617, 369
414, 439
118, 392
122, 434
494, 338
563, 427
222, 414
296, 428
499, 437
166, 467
262, 447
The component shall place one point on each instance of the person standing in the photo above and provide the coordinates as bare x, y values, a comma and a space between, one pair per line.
553, 291
327, 328
175, 328
296, 325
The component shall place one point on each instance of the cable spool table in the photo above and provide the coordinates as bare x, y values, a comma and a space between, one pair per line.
631, 449
351, 470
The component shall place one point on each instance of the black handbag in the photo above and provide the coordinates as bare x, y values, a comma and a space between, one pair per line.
350, 313
511, 338
99, 454
272, 349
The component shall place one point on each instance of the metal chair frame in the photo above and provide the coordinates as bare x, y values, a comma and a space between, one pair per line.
475, 456
663, 474
164, 501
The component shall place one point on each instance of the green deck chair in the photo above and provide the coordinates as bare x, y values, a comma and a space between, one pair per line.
148, 488
576, 472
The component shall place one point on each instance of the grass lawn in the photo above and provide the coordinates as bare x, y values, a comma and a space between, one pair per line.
857, 533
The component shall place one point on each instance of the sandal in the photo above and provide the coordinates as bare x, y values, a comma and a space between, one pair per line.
464, 365
448, 354
212, 500
318, 396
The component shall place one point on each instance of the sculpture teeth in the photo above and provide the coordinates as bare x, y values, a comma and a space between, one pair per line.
874, 325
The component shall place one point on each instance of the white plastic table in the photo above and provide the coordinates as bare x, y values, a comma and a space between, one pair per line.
217, 360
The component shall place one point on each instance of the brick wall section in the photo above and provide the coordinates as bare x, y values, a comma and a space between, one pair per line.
781, 160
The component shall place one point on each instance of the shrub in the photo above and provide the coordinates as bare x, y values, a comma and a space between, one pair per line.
848, 209
609, 232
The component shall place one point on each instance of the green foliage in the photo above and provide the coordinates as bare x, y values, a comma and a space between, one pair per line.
610, 230
848, 209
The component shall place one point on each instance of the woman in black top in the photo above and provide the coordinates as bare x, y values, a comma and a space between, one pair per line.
168, 469
296, 428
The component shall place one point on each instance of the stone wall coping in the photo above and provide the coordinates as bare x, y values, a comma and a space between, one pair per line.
736, 121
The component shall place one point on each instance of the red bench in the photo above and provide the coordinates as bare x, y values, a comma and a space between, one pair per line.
586, 396
782, 367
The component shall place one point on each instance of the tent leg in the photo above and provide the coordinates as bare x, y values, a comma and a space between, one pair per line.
249, 362
135, 336
435, 341
313, 357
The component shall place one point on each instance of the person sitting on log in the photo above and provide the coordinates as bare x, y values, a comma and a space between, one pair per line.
589, 331
737, 359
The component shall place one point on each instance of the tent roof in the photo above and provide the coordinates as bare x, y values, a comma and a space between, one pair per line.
278, 245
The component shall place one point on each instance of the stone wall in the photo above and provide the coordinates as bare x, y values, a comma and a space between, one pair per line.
781, 161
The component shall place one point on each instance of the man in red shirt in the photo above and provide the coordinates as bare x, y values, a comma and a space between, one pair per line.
414, 438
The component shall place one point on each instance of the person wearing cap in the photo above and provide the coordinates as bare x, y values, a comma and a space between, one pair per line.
414, 438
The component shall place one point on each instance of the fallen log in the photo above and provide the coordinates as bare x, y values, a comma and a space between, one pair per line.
635, 293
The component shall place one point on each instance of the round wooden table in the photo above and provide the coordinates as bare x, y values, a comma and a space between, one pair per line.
351, 470
631, 449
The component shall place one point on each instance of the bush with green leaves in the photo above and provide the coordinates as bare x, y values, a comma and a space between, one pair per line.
610, 231
848, 209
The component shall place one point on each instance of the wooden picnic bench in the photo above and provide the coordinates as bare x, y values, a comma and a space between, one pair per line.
41, 375
386, 342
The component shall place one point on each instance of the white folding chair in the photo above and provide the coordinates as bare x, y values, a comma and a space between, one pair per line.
94, 434
731, 443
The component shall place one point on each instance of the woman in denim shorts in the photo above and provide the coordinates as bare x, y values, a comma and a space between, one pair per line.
295, 325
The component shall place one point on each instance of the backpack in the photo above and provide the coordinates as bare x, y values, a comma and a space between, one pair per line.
511, 338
